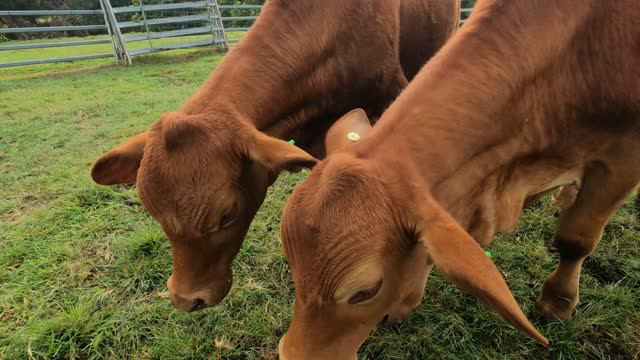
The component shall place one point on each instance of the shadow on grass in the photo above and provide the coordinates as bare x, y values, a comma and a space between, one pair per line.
168, 57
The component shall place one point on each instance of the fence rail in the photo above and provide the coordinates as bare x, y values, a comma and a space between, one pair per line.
56, 60
168, 34
102, 27
55, 44
191, 25
52, 28
49, 12
211, 12
239, 7
173, 6
160, 21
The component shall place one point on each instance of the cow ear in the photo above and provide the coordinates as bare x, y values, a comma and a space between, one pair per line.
348, 129
462, 261
120, 165
278, 155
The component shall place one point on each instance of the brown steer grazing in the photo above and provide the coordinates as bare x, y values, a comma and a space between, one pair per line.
528, 96
203, 170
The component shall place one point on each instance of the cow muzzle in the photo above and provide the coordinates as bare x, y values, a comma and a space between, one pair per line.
199, 299
287, 352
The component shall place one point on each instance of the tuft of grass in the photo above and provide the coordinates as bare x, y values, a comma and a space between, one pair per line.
84, 267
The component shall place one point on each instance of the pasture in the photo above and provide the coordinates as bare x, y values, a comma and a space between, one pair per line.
83, 268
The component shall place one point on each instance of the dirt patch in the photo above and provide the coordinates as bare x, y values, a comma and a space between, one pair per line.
100, 250
615, 350
607, 271
101, 197
26, 206
71, 72
131, 202
147, 249
162, 58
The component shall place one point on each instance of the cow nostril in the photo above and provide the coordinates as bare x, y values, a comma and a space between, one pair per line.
198, 304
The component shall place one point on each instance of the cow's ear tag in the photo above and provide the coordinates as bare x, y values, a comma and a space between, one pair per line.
351, 127
353, 136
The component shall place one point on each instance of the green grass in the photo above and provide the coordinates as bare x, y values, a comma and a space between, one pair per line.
83, 267
59, 52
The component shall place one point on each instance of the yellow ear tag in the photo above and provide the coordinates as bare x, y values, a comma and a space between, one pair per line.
353, 136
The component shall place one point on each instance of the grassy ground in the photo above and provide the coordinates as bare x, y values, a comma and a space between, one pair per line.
58, 52
83, 267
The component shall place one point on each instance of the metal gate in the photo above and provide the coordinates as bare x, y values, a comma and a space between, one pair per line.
135, 30
201, 19
103, 26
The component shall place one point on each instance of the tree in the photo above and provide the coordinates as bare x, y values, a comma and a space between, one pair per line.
240, 12
34, 21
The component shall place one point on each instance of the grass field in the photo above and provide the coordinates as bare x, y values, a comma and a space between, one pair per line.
83, 267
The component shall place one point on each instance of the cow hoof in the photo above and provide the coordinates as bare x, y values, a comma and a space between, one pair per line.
555, 309
389, 322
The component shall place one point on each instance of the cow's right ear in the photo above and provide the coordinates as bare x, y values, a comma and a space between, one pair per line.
350, 128
277, 155
120, 165
461, 260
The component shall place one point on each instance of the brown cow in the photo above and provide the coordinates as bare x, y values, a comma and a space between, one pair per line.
203, 171
530, 95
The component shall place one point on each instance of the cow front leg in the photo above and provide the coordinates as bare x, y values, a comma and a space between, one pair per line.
565, 197
579, 230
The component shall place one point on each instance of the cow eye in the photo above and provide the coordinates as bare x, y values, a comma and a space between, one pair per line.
364, 295
227, 217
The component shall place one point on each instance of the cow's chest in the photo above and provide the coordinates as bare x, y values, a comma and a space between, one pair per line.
498, 206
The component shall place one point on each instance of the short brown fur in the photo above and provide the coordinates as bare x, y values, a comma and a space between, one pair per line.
203, 170
528, 96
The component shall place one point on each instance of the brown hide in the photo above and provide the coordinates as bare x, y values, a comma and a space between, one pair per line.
528, 96
203, 171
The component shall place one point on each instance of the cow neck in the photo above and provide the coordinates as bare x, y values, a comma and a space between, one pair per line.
452, 121
266, 79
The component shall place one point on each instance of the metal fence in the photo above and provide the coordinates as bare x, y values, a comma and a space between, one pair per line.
224, 8
464, 14
103, 27
201, 24
136, 29
150, 26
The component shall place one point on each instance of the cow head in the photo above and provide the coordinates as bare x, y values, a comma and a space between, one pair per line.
351, 232
203, 179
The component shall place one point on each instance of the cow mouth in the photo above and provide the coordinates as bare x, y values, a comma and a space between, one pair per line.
198, 304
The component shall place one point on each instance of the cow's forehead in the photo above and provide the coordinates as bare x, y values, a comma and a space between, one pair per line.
204, 172
328, 229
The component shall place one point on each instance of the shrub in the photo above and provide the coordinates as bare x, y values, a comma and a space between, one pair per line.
2, 37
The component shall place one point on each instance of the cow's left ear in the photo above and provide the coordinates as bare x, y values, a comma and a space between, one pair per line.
120, 165
350, 128
462, 261
278, 155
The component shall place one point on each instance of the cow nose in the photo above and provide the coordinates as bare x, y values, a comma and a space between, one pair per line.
198, 304
188, 304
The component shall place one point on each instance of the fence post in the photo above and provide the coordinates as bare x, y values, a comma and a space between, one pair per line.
113, 23
214, 10
111, 37
144, 20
